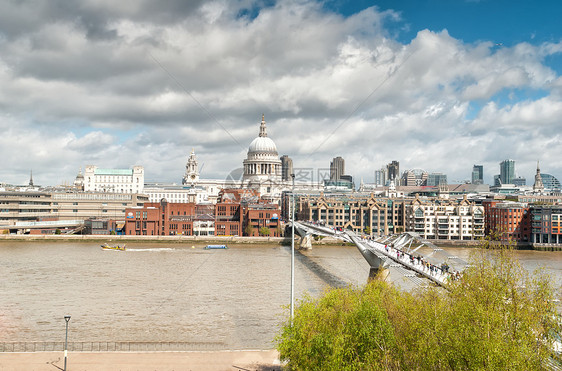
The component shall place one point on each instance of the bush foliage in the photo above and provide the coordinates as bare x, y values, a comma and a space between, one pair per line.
496, 317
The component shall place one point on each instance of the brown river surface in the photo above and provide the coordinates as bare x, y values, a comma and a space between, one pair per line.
171, 292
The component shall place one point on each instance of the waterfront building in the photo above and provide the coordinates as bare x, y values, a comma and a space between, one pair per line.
507, 220
41, 208
546, 224
478, 174
445, 219
507, 171
169, 219
242, 212
357, 212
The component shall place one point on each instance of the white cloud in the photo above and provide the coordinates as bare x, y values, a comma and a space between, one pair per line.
135, 83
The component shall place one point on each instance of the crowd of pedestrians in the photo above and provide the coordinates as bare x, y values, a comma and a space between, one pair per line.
441, 272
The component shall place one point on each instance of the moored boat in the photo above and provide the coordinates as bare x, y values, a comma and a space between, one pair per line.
105, 246
215, 247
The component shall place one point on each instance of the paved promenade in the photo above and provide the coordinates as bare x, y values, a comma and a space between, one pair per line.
261, 360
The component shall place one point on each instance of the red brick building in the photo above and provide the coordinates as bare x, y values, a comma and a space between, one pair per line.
241, 212
160, 219
508, 221
262, 217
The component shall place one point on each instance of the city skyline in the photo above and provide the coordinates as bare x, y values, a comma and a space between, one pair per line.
433, 85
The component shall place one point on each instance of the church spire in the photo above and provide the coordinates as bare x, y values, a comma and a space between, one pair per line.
263, 128
31, 178
538, 186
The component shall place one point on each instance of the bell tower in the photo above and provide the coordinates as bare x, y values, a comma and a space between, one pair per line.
191, 170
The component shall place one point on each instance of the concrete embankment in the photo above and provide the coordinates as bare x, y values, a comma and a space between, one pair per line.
215, 360
123, 239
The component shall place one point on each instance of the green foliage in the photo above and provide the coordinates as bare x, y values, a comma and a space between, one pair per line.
496, 317
368, 230
264, 231
57, 231
248, 230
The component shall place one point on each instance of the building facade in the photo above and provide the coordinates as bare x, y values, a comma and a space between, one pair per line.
507, 171
286, 168
507, 221
436, 179
337, 168
445, 219
361, 213
478, 174
113, 180
546, 224
262, 163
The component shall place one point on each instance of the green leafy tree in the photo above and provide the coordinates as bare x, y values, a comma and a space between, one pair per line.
368, 230
248, 230
497, 316
264, 231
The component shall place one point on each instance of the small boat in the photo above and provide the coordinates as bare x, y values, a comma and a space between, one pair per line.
215, 247
105, 246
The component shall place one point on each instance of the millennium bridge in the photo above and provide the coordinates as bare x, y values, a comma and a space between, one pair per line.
407, 254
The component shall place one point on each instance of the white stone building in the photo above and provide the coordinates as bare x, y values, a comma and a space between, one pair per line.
445, 219
113, 180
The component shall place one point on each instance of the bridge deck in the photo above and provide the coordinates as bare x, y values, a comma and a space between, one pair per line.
392, 256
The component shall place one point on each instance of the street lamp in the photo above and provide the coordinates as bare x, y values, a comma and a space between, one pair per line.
293, 249
66, 318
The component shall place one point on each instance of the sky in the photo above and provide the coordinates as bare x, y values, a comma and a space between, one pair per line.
436, 85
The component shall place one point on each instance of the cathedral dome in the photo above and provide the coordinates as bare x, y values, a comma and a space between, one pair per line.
262, 144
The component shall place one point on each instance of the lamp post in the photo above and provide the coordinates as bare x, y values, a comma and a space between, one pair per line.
66, 318
293, 249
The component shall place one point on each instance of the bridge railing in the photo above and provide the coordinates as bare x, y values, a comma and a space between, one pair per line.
108, 346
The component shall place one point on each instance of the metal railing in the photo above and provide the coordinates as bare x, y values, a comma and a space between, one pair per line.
108, 346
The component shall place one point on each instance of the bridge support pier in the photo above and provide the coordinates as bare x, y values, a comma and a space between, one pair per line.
306, 242
380, 273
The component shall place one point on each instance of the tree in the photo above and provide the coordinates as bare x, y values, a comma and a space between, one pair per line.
249, 230
264, 231
368, 230
58, 231
497, 316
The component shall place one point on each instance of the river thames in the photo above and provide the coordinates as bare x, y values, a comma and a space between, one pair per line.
236, 298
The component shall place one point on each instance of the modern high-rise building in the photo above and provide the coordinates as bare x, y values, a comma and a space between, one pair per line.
550, 183
435, 179
337, 168
520, 181
286, 168
478, 174
393, 170
507, 171
381, 177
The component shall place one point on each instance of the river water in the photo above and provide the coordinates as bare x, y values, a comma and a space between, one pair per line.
171, 292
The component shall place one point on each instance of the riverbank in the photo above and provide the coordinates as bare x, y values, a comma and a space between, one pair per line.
212, 360
232, 240
194, 240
